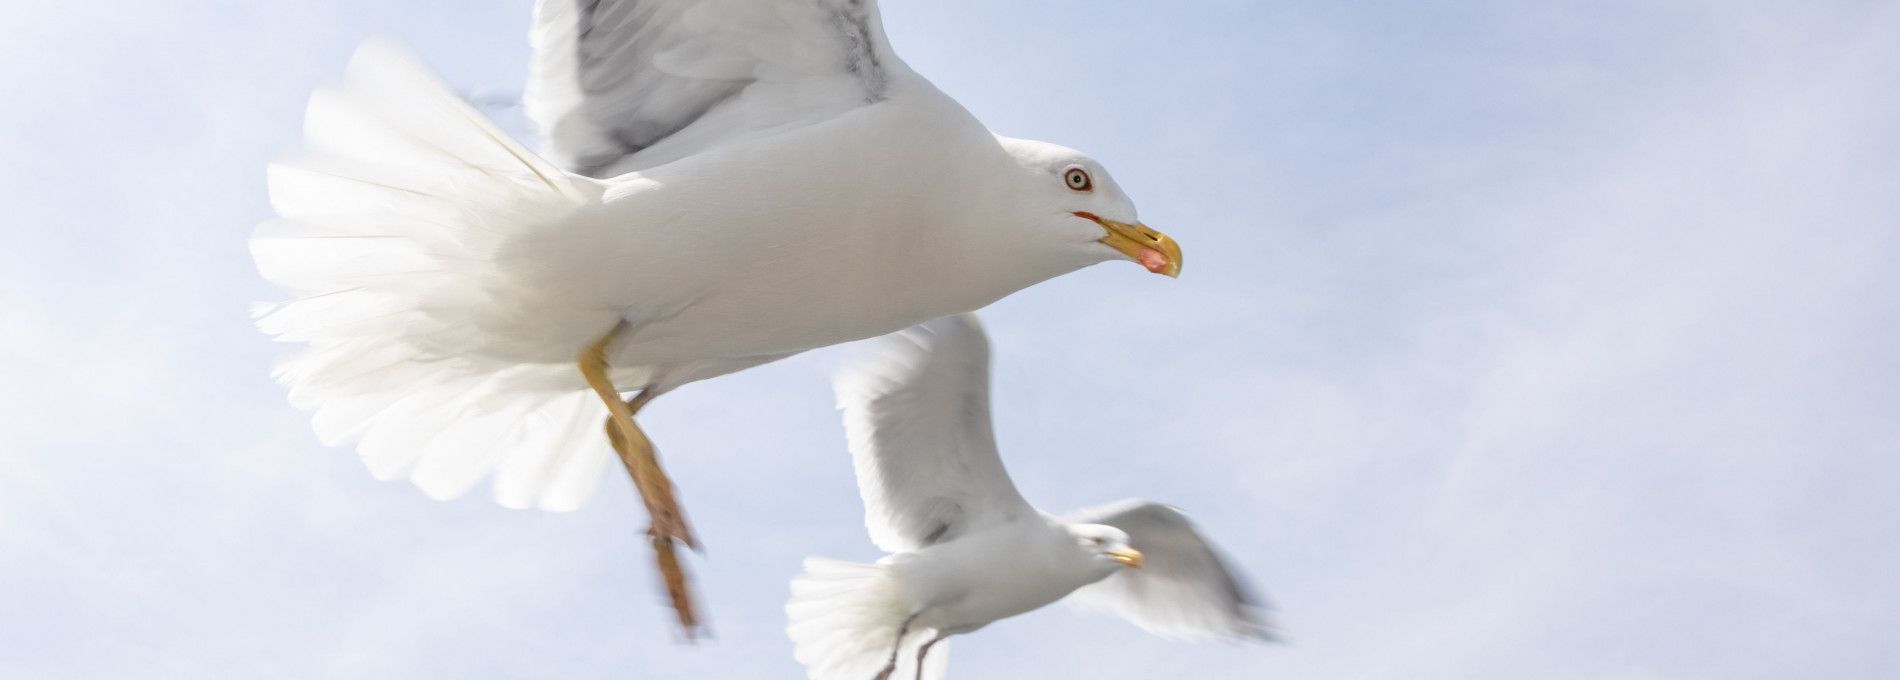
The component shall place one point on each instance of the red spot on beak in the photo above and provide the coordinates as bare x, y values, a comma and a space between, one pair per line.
1156, 262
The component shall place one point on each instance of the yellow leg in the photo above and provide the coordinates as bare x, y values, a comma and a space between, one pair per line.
636, 452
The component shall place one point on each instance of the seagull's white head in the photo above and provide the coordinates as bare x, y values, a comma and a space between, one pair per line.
1106, 547
1078, 216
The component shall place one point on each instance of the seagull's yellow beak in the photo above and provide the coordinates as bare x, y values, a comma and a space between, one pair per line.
1129, 557
1151, 248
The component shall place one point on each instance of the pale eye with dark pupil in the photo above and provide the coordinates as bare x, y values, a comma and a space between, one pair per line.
1078, 180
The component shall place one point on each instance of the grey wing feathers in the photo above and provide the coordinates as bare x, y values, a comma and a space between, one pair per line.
1184, 589
917, 419
593, 88
613, 79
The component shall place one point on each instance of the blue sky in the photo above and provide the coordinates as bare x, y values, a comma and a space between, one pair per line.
1515, 340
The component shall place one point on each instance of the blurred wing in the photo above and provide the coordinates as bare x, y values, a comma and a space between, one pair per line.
620, 85
1183, 589
917, 417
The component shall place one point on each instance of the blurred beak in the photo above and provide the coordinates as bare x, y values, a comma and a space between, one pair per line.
1128, 557
1151, 248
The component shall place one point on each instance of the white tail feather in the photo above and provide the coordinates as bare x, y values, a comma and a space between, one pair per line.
424, 343
844, 618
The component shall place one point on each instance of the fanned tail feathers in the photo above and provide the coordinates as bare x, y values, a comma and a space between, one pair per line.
421, 337
844, 618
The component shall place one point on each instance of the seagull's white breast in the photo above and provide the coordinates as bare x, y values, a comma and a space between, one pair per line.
834, 232
994, 574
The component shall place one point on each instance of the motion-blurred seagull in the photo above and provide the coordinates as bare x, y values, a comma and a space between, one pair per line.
744, 180
968, 549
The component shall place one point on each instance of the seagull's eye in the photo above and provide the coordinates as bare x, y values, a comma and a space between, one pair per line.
1077, 179
1097, 540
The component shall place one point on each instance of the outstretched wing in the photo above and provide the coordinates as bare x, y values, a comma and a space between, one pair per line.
917, 417
621, 85
1183, 588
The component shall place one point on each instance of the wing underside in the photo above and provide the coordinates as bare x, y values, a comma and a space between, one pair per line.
620, 85
917, 418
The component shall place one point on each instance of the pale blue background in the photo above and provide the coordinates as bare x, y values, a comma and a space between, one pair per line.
1516, 340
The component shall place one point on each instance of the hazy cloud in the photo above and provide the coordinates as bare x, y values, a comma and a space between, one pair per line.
1514, 341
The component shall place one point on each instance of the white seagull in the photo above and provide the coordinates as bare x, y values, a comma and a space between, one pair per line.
729, 182
967, 549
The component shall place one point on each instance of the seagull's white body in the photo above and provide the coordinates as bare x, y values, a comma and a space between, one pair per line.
732, 182
965, 584
828, 259
967, 550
